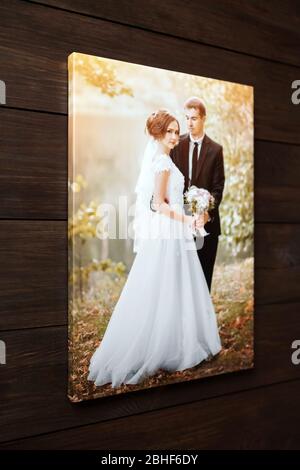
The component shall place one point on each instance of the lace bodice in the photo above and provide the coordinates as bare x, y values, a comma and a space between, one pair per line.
176, 180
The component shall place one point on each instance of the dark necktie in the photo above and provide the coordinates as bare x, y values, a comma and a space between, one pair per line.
195, 160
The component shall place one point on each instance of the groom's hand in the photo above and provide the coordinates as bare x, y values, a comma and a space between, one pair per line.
206, 217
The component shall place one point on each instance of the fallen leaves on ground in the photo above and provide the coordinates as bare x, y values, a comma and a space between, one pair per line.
232, 296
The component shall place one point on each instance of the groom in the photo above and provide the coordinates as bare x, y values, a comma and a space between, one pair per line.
200, 159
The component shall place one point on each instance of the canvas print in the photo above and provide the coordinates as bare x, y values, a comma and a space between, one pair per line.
160, 227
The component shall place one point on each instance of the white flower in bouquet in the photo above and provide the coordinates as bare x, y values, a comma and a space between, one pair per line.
200, 201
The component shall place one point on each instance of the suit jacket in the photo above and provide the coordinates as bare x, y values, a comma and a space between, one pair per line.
210, 173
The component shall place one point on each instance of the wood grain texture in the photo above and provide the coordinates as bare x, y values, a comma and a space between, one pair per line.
276, 182
34, 380
34, 63
277, 263
254, 28
258, 419
33, 165
33, 274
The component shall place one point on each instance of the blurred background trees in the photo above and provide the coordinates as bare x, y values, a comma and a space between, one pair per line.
111, 102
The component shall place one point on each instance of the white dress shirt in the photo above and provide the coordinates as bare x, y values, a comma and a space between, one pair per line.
191, 149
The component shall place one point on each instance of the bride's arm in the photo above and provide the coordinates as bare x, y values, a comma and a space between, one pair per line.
159, 197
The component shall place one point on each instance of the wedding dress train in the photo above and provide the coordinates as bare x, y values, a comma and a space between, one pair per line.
164, 318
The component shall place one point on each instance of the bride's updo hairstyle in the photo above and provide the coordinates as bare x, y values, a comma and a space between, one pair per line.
157, 123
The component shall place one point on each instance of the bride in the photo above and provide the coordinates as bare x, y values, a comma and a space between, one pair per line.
164, 318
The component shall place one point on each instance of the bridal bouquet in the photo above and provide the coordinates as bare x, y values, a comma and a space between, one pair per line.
200, 201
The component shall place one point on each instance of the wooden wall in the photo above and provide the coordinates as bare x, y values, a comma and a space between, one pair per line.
253, 43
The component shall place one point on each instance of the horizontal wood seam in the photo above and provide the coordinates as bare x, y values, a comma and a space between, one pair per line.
154, 31
246, 390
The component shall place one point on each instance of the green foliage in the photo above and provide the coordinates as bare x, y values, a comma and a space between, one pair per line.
230, 123
81, 274
82, 226
236, 210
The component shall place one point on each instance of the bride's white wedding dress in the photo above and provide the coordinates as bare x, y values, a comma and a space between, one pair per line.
164, 318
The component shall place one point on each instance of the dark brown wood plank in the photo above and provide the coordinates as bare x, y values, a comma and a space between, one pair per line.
33, 171
255, 419
276, 182
277, 263
33, 278
33, 274
34, 63
33, 165
255, 28
34, 380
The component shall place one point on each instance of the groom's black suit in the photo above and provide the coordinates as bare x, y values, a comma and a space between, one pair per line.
209, 175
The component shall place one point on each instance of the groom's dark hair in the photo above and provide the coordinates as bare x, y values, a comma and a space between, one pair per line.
195, 103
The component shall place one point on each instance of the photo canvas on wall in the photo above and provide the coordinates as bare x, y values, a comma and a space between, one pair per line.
160, 227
